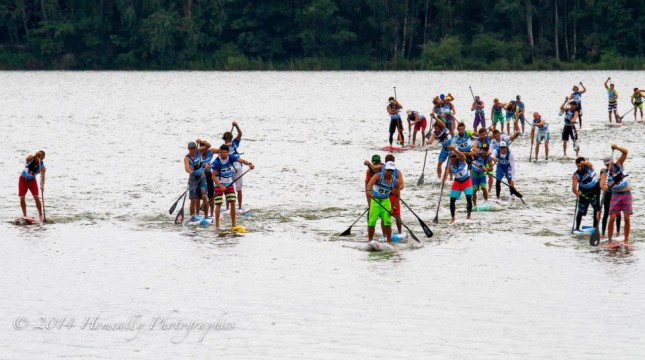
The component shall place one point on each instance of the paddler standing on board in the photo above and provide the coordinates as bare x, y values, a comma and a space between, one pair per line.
570, 119
463, 141
505, 168
519, 116
419, 122
34, 165
586, 187
223, 169
576, 96
197, 186
393, 109
448, 114
541, 131
442, 135
621, 195
462, 183
612, 105
482, 165
637, 102
496, 114
378, 192
609, 181
480, 114
233, 149
206, 152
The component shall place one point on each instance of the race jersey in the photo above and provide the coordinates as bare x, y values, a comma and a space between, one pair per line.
638, 97
618, 178
481, 142
498, 110
568, 115
542, 129
32, 169
381, 189
479, 110
207, 158
437, 110
463, 142
612, 95
446, 110
587, 179
577, 97
234, 149
510, 110
196, 165
520, 105
395, 109
505, 161
225, 168
480, 162
460, 171
443, 136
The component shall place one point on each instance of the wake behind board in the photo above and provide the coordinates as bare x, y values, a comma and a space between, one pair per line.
375, 245
25, 221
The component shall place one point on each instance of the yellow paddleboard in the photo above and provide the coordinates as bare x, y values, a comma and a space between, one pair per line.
238, 229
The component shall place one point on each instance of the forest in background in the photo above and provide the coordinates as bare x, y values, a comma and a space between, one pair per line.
321, 34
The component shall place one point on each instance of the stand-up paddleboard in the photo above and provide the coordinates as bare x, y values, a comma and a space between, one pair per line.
25, 221
615, 125
394, 148
617, 245
376, 245
396, 237
244, 211
585, 230
201, 221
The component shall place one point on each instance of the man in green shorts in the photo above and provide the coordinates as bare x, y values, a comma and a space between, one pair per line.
637, 101
378, 191
497, 114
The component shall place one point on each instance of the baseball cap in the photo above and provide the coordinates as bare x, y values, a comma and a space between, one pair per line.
442, 96
390, 165
517, 97
607, 160
376, 159
192, 145
503, 144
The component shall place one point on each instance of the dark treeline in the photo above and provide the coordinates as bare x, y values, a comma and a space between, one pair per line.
321, 34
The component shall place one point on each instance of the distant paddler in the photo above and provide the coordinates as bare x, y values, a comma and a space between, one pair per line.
505, 169
378, 192
448, 113
480, 115
540, 134
223, 169
34, 165
393, 108
576, 96
637, 102
586, 187
462, 183
496, 114
233, 149
197, 186
519, 115
612, 105
419, 122
463, 141
621, 195
511, 109
608, 180
206, 151
441, 134
570, 119
482, 165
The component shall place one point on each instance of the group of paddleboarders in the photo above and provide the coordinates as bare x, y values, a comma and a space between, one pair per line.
215, 176
616, 198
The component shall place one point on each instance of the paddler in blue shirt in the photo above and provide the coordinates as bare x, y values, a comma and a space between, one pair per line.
378, 192
586, 186
442, 135
34, 165
233, 149
223, 172
576, 96
197, 188
206, 151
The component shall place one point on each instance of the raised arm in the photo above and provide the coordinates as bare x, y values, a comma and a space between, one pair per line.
607, 81
239, 131
584, 89
623, 154
562, 107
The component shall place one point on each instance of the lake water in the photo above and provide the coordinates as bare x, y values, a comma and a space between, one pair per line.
511, 284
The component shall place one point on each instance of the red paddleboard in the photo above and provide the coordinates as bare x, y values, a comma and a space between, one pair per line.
615, 124
24, 221
617, 245
393, 148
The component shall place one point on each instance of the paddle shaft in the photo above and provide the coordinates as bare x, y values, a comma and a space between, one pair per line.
428, 232
513, 190
43, 199
443, 184
348, 231
420, 181
471, 93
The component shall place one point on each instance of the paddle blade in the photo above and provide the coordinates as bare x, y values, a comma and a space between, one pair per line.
420, 182
515, 192
435, 221
594, 240
425, 228
347, 232
173, 207
180, 217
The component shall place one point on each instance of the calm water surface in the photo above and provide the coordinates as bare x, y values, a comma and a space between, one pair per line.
511, 284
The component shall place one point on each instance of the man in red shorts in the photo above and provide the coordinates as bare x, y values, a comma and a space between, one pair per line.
420, 123
223, 170
34, 165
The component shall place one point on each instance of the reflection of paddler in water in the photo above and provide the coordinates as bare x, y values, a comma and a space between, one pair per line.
393, 109
34, 165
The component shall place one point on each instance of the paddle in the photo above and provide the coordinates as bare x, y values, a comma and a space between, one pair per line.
349, 229
43, 199
471, 93
443, 183
575, 212
211, 199
420, 182
174, 206
625, 114
402, 223
423, 225
180, 215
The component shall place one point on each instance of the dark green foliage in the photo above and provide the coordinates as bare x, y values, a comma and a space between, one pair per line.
322, 34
